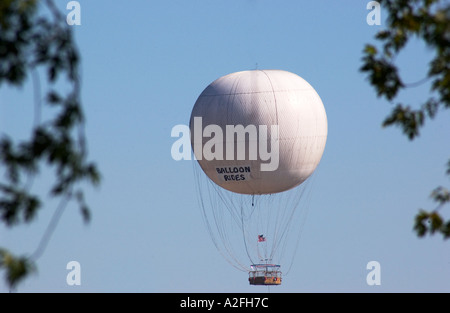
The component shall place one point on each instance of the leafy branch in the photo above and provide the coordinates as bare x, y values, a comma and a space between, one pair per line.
31, 40
428, 20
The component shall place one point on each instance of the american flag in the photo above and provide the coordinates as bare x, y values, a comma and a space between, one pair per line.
261, 238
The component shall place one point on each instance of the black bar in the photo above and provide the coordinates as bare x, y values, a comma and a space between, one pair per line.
224, 302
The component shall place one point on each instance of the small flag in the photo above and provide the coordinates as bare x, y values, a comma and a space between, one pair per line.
261, 238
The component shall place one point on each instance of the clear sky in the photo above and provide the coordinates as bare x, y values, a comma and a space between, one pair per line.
144, 63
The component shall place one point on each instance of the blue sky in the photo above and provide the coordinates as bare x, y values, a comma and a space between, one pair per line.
144, 63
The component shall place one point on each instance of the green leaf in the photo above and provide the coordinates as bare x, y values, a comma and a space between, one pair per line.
370, 50
436, 222
419, 224
53, 97
17, 268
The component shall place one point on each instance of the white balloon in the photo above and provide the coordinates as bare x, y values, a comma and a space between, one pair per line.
265, 101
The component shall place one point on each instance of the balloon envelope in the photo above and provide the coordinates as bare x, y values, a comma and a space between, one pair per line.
288, 117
